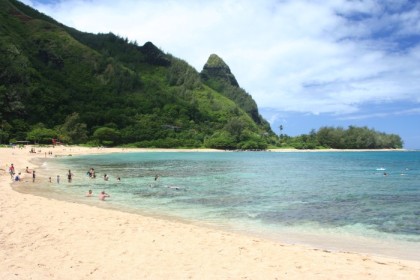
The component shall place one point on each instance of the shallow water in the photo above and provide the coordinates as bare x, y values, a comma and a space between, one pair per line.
340, 199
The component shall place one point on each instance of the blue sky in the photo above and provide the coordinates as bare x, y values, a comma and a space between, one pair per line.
307, 63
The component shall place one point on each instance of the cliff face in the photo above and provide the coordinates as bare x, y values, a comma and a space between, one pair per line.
217, 75
216, 68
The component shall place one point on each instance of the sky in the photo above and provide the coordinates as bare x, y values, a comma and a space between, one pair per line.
307, 63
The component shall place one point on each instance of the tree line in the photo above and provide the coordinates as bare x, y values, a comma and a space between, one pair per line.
339, 138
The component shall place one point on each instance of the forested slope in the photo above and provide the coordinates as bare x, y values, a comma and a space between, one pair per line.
57, 82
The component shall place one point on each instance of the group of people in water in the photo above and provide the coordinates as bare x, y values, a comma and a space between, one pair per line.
102, 194
90, 173
18, 177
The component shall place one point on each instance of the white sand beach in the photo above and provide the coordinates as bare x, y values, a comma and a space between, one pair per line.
42, 238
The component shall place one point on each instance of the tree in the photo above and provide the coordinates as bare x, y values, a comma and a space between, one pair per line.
5, 128
235, 127
41, 135
106, 136
221, 140
73, 131
3, 136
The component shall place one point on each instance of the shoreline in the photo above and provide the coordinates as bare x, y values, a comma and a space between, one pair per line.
44, 237
321, 238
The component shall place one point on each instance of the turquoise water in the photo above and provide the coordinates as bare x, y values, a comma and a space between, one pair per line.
343, 194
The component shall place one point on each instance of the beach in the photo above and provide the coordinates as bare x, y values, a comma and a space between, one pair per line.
42, 238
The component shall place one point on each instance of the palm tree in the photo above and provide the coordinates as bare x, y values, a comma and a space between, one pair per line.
281, 130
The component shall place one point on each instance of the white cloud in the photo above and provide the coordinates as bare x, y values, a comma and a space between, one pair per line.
396, 113
298, 55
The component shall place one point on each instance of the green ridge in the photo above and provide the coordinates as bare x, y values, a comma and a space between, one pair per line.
58, 82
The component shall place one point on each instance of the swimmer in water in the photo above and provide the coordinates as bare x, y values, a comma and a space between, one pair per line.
69, 176
103, 195
174, 187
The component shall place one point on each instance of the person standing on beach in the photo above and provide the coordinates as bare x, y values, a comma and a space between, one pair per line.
11, 170
58, 179
33, 176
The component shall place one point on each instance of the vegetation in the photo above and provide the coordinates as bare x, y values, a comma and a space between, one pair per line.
57, 82
339, 138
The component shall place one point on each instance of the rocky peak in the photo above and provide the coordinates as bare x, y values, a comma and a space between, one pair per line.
216, 68
154, 55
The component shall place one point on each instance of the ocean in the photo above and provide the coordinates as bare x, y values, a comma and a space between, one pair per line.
367, 202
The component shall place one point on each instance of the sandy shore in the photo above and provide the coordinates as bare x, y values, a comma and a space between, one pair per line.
42, 238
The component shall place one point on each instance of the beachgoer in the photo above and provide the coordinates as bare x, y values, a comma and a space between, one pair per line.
58, 179
17, 178
49, 179
103, 195
106, 177
156, 177
69, 176
12, 170
33, 176
27, 170
118, 178
89, 194
92, 173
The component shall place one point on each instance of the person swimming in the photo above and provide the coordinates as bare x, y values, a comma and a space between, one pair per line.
103, 195
175, 188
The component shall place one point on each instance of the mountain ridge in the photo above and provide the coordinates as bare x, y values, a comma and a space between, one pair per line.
53, 74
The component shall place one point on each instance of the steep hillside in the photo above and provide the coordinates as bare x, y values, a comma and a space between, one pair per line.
216, 74
56, 81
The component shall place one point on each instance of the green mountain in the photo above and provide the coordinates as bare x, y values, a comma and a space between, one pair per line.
58, 82
216, 74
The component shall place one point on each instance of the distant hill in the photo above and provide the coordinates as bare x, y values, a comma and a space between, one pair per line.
58, 82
